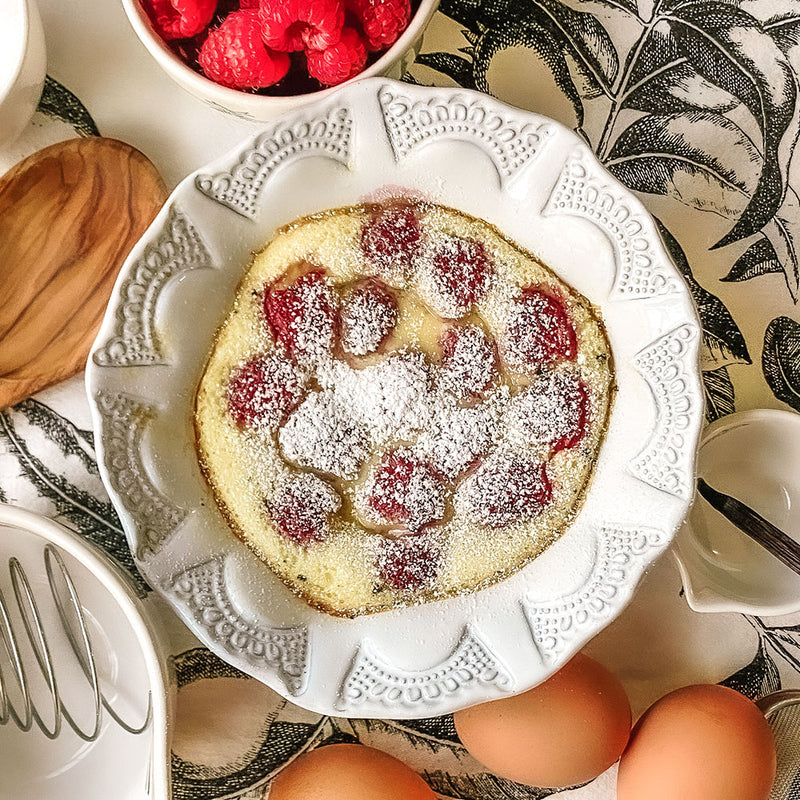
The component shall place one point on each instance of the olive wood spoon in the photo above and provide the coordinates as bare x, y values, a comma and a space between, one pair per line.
69, 215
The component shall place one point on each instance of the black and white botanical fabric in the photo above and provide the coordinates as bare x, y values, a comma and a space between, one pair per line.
690, 103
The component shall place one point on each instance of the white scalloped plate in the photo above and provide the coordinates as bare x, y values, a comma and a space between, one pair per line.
538, 184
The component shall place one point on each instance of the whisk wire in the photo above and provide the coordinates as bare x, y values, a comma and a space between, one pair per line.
83, 654
8, 712
73, 621
38, 641
83, 649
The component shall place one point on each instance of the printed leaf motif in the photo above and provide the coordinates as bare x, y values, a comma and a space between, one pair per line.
540, 38
780, 360
70, 440
729, 48
783, 640
690, 156
59, 102
435, 735
678, 88
481, 786
82, 510
625, 5
566, 40
662, 81
758, 678
719, 392
442, 728
783, 22
585, 38
252, 763
456, 67
783, 231
476, 15
723, 341
759, 259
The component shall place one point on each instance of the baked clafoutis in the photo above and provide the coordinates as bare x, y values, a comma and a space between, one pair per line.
401, 406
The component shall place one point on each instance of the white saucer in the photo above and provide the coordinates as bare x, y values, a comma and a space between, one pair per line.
753, 456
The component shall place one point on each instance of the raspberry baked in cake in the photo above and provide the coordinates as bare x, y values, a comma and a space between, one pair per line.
401, 406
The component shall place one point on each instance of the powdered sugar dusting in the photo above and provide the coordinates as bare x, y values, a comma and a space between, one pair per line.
302, 316
552, 411
369, 315
391, 399
456, 436
453, 274
539, 331
504, 489
390, 240
469, 359
262, 389
301, 506
323, 435
409, 563
401, 490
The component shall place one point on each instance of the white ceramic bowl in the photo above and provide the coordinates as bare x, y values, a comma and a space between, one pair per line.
22, 65
261, 108
131, 671
753, 456
538, 184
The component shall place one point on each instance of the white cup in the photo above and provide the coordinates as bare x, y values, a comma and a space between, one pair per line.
22, 66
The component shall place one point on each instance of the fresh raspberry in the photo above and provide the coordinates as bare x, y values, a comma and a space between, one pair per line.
390, 239
456, 276
381, 20
302, 317
339, 61
301, 507
408, 563
369, 315
506, 489
263, 390
554, 410
249, 4
179, 19
290, 25
469, 360
233, 54
539, 331
404, 491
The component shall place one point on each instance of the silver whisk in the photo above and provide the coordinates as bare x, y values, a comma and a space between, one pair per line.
60, 672
782, 710
70, 613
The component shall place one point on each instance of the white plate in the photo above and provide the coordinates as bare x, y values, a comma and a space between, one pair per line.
131, 675
538, 184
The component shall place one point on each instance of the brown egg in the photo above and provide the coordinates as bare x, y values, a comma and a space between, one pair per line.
699, 743
561, 733
348, 772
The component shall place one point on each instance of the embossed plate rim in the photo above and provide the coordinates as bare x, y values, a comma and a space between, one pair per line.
448, 654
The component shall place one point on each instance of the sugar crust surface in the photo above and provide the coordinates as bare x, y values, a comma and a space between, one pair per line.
245, 467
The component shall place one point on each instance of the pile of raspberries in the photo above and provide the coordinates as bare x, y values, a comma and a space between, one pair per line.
245, 44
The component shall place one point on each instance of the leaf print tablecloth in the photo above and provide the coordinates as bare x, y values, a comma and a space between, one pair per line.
692, 104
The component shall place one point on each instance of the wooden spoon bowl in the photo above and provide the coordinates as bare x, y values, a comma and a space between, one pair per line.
69, 215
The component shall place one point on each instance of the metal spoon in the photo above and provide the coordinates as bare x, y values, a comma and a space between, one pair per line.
771, 538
